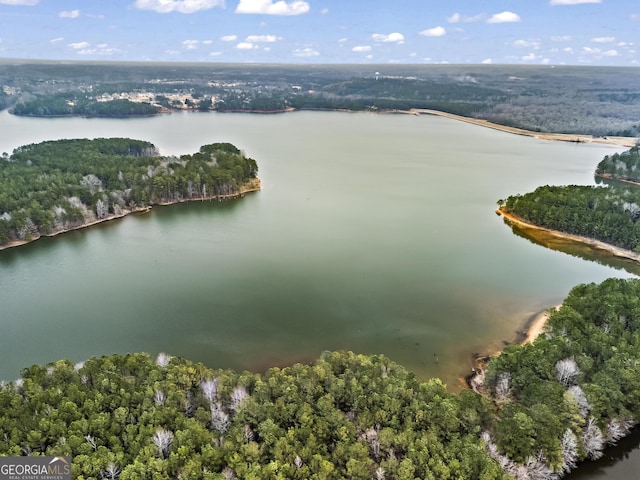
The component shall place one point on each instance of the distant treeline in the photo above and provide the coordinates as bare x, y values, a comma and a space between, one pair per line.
537, 412
57, 185
62, 105
588, 100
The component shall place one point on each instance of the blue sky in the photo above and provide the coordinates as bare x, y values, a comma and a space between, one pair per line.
574, 32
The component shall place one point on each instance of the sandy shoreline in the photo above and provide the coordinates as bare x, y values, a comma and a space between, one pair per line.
560, 137
595, 244
251, 186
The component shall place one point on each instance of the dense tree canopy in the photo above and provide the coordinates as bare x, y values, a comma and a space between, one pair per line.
621, 166
536, 412
58, 185
346, 416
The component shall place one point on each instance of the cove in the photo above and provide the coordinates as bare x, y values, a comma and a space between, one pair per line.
373, 233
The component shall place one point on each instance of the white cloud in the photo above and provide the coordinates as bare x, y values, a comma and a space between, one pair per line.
369, 57
215, 54
261, 38
561, 38
610, 53
20, 2
457, 18
207, 42
572, 2
635, 16
246, 46
504, 17
267, 49
268, 7
229, 38
535, 44
568, 50
96, 16
324, 11
69, 14
305, 52
487, 61
342, 40
394, 37
56, 40
433, 32
530, 57
79, 45
603, 39
361, 48
190, 44
181, 6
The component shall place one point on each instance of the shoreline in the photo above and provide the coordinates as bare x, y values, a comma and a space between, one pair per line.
627, 142
608, 176
251, 186
558, 137
590, 242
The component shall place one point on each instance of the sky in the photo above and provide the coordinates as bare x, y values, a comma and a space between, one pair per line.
554, 32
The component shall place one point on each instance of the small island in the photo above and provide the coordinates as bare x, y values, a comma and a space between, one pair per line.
57, 186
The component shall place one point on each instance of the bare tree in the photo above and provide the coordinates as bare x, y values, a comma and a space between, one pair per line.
219, 418
92, 441
581, 399
163, 359
163, 439
592, 439
569, 451
228, 474
567, 371
238, 396
210, 389
111, 471
159, 397
298, 462
248, 434
503, 387
616, 429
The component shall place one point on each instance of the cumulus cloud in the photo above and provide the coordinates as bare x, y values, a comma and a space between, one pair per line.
530, 57
229, 38
535, 44
603, 39
56, 40
487, 61
361, 48
246, 46
20, 2
79, 45
572, 2
269, 7
181, 6
433, 32
190, 44
504, 17
215, 54
261, 38
610, 53
305, 52
457, 18
394, 37
69, 14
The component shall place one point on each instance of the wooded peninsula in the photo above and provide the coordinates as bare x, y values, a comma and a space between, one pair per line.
57, 186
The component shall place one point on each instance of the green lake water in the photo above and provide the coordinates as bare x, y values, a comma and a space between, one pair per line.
373, 233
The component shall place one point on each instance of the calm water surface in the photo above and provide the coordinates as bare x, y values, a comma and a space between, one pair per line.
372, 233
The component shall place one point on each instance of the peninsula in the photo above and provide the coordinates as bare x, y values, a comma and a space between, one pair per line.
58, 186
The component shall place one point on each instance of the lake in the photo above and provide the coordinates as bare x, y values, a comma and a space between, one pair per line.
373, 233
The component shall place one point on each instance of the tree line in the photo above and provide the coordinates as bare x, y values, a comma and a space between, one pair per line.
535, 413
57, 185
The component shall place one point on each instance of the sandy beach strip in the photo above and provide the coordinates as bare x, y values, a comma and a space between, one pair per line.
560, 137
595, 244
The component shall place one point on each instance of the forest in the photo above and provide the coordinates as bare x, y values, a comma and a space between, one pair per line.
621, 166
562, 99
535, 412
55, 186
608, 213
